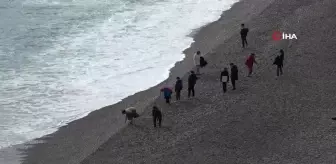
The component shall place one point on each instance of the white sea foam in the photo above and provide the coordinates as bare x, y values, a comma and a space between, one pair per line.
96, 63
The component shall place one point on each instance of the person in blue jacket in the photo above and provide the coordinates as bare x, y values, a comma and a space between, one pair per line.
167, 92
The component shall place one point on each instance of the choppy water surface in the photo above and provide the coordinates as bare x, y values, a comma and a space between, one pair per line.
61, 59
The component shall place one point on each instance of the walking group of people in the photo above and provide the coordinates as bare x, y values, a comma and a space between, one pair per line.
225, 78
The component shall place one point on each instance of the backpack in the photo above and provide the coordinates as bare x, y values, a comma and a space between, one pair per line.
203, 62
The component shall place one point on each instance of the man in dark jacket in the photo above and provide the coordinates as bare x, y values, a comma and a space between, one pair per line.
243, 34
191, 83
178, 88
282, 58
234, 75
278, 63
224, 78
157, 115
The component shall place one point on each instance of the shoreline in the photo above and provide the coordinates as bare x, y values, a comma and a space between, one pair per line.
18, 152
267, 119
248, 130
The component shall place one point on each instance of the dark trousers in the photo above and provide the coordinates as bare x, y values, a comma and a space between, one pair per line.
157, 118
167, 100
244, 41
233, 82
178, 95
224, 86
279, 70
250, 70
191, 89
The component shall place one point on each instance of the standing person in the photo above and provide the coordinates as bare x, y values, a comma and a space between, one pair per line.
157, 115
282, 58
167, 92
234, 75
243, 34
278, 63
197, 60
249, 63
224, 78
191, 83
178, 88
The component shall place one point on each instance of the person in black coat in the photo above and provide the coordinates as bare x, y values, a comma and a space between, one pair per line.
282, 57
224, 78
278, 63
178, 88
243, 34
191, 83
234, 75
157, 115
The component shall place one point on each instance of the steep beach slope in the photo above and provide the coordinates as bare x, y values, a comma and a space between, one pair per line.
267, 120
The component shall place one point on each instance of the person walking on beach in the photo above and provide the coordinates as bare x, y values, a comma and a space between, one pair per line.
130, 114
282, 58
224, 78
243, 34
234, 75
249, 63
278, 63
178, 88
167, 92
191, 83
157, 116
197, 61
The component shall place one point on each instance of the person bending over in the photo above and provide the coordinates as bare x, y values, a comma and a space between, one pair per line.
130, 114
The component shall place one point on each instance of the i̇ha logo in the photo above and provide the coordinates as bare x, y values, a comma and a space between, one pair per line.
277, 35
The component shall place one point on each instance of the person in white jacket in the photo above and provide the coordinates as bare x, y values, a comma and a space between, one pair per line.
130, 114
197, 63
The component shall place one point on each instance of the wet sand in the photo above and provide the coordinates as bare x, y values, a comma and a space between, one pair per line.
266, 120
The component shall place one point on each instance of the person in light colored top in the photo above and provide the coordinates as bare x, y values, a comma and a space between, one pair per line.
197, 58
130, 114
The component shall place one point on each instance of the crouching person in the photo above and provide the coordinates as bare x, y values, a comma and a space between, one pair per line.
157, 115
130, 114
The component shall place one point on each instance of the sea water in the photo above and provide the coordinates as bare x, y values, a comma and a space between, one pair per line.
62, 59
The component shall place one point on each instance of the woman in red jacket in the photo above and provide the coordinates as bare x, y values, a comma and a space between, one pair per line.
249, 63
